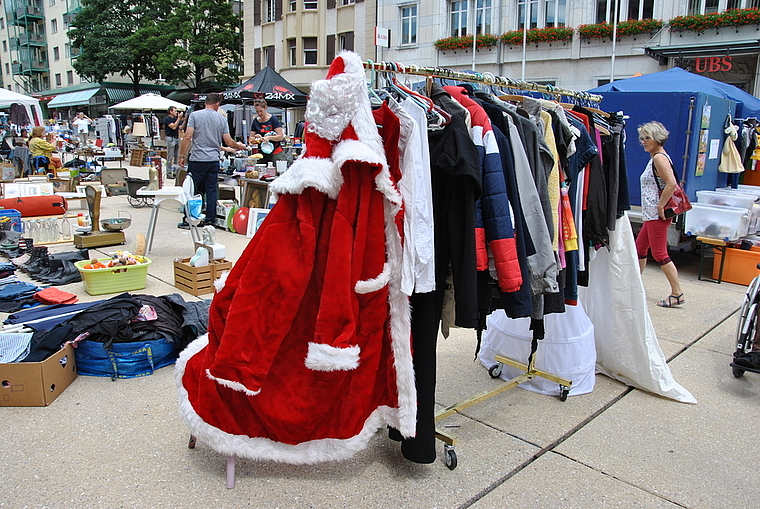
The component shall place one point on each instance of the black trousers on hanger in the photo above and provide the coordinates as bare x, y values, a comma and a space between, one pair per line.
425, 319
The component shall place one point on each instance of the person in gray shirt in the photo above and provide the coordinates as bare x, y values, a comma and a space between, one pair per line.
206, 130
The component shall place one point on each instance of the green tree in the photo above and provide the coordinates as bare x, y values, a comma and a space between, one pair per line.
208, 35
120, 37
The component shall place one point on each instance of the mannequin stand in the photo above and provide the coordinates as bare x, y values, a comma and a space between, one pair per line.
230, 464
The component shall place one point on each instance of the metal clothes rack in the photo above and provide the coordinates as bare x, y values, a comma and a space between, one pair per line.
529, 371
485, 78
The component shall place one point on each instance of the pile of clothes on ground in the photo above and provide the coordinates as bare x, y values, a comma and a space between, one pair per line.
160, 325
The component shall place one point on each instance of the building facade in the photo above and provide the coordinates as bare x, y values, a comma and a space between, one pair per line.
726, 53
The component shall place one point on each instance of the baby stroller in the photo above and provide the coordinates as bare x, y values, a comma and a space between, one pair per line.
137, 201
744, 358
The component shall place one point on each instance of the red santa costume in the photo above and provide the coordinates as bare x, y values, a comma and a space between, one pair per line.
308, 351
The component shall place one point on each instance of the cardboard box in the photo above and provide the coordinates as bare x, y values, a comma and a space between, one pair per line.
198, 280
37, 383
740, 267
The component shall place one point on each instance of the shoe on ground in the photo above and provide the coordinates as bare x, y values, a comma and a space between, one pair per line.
183, 225
748, 360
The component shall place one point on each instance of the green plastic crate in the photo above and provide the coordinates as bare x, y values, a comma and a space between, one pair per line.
113, 279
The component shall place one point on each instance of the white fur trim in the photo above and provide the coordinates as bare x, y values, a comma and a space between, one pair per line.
322, 357
221, 281
316, 172
235, 386
374, 284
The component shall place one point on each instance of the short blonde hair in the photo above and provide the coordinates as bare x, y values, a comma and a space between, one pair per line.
656, 130
38, 131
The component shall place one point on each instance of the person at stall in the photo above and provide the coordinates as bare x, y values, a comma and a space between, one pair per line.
206, 130
40, 147
266, 131
653, 235
82, 125
172, 121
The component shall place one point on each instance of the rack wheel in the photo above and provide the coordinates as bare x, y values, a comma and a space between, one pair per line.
563, 392
737, 372
495, 370
191, 443
450, 457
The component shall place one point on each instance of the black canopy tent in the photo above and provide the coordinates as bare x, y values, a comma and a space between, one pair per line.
268, 84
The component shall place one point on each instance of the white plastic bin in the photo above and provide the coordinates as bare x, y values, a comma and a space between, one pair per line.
754, 216
717, 222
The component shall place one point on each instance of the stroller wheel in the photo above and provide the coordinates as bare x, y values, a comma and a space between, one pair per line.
136, 202
737, 372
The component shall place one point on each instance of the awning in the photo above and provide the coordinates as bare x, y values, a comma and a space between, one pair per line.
118, 95
710, 49
73, 98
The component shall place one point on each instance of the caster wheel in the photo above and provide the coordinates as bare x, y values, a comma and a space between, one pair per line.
563, 393
495, 371
450, 457
191, 444
737, 372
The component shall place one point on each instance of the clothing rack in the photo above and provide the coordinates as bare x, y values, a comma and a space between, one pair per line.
486, 78
529, 370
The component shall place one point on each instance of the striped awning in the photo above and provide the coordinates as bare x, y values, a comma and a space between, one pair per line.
117, 95
73, 98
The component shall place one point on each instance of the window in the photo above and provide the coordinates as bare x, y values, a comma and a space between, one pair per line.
5, 47
51, 3
293, 5
68, 50
270, 15
269, 56
292, 55
483, 15
58, 81
53, 26
309, 4
7, 68
708, 6
309, 51
459, 18
346, 41
409, 24
347, 2
2, 23
69, 77
630, 9
56, 53
544, 13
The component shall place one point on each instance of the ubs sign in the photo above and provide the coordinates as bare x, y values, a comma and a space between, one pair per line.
713, 64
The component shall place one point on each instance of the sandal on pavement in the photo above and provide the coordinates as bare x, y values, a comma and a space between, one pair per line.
671, 301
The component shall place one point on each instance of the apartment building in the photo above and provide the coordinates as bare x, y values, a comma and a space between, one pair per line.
36, 59
300, 37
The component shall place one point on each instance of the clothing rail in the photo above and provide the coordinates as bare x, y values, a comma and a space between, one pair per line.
485, 78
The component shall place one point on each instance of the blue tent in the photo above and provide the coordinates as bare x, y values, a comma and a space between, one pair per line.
679, 80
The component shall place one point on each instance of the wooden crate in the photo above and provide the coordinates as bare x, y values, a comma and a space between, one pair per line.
198, 280
137, 157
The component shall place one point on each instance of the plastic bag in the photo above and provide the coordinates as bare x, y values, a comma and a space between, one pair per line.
195, 207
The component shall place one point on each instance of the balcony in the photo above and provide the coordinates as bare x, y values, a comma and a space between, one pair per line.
37, 40
30, 67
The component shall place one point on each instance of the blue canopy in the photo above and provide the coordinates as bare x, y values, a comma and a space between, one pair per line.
679, 80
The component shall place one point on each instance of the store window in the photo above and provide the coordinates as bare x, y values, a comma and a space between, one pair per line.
627, 9
458, 18
409, 25
69, 77
56, 53
292, 55
543, 13
58, 81
708, 6
309, 51
53, 26
309, 4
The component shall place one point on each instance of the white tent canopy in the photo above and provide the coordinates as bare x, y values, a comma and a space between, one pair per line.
148, 102
31, 104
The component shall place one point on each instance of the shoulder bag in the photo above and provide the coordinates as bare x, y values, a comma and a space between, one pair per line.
679, 202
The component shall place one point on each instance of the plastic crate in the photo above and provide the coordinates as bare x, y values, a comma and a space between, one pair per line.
15, 219
113, 279
740, 266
